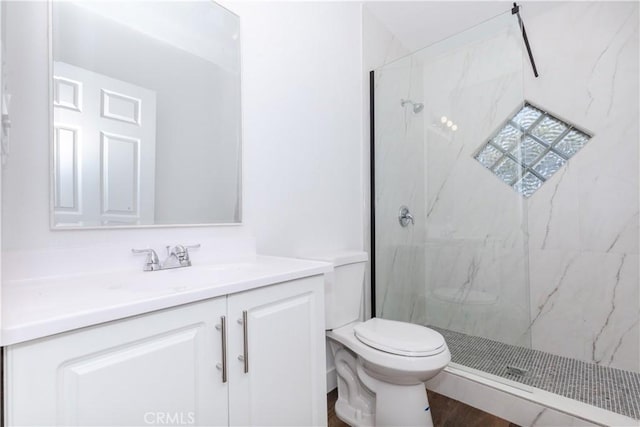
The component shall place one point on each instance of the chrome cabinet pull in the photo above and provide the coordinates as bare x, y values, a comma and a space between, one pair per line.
223, 329
245, 335
223, 320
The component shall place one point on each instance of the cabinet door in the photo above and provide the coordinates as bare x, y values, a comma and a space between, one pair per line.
285, 382
154, 369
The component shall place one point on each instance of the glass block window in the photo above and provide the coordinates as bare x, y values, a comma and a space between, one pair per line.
530, 148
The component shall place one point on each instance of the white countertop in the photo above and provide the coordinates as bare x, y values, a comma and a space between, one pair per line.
36, 308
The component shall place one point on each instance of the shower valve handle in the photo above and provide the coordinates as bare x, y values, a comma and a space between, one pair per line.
404, 216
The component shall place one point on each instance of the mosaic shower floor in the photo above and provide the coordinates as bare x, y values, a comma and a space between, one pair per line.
608, 388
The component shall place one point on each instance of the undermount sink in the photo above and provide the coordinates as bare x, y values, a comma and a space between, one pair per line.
184, 279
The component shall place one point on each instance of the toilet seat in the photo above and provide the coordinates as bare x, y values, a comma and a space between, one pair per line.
401, 338
389, 367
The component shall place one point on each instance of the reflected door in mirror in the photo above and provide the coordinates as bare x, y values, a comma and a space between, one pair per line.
104, 149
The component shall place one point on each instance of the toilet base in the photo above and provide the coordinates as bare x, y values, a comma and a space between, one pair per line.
398, 405
366, 401
353, 416
414, 410
408, 406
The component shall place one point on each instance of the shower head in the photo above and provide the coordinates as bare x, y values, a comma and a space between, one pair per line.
417, 106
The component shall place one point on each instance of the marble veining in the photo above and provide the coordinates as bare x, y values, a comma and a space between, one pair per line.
538, 416
617, 61
633, 326
553, 196
589, 219
549, 296
595, 358
443, 184
633, 221
599, 59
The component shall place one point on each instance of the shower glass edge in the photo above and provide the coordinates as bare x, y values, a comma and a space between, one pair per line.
460, 264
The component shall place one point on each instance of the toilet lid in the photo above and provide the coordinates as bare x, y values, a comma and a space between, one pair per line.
405, 339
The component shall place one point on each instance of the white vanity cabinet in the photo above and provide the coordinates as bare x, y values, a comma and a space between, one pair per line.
284, 382
166, 367
137, 371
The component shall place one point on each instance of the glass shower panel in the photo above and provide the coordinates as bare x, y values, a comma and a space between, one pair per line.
460, 266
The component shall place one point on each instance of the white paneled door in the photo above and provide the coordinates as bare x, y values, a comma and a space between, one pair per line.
104, 149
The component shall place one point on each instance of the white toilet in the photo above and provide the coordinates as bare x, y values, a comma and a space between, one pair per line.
381, 364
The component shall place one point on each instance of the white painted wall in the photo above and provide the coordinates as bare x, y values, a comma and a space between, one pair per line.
302, 92
212, 33
302, 146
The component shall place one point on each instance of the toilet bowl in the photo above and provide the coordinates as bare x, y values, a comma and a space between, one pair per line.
413, 359
381, 364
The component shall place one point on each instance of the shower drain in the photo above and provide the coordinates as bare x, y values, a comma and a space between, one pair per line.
514, 370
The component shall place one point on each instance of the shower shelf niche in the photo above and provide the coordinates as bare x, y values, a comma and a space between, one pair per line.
530, 147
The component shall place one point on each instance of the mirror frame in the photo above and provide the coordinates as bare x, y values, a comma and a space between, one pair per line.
50, 141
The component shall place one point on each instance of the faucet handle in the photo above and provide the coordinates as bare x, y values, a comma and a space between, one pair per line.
182, 252
177, 250
152, 263
186, 251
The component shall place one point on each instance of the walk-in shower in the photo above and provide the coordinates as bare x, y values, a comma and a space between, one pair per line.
521, 244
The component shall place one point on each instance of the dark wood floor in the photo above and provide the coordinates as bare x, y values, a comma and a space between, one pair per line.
445, 412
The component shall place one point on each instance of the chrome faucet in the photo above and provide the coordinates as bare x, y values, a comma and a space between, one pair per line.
177, 256
152, 263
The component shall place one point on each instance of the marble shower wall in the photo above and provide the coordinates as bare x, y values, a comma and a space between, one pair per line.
583, 223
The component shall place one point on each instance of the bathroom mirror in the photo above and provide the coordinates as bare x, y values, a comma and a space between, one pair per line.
145, 114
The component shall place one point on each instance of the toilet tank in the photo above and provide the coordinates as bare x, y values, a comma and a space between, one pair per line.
343, 287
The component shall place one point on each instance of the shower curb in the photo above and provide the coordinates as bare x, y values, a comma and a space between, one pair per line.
518, 403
